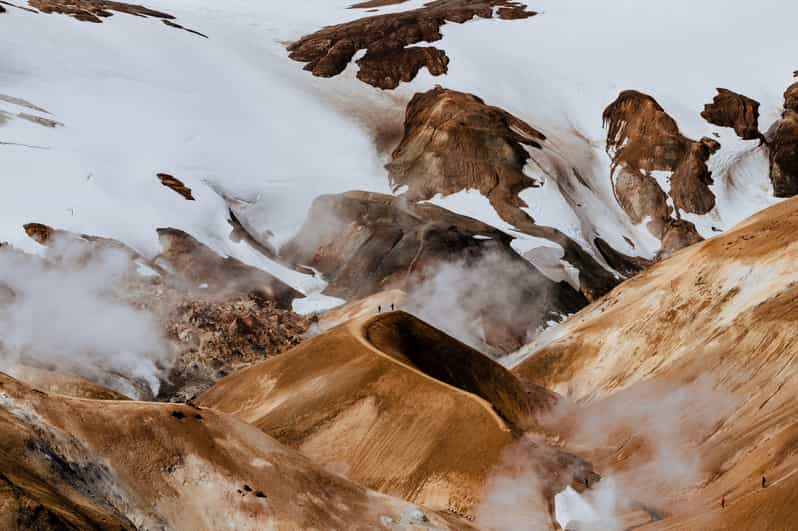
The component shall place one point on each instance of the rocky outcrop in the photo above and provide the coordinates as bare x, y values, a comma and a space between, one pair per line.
214, 338
782, 139
365, 243
175, 184
454, 141
642, 139
729, 109
95, 10
206, 271
387, 39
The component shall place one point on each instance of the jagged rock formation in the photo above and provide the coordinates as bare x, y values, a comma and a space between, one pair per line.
214, 338
454, 141
94, 10
708, 331
400, 407
782, 139
729, 109
203, 269
487, 147
89, 464
387, 39
175, 184
365, 243
642, 138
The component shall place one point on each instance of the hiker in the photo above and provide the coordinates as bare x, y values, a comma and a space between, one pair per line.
391, 306
723, 502
764, 482
379, 309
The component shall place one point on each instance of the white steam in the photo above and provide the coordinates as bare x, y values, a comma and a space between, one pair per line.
464, 299
65, 314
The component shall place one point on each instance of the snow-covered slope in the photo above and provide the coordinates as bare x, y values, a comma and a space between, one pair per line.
232, 114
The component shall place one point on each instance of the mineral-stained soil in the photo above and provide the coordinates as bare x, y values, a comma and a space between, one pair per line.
387, 39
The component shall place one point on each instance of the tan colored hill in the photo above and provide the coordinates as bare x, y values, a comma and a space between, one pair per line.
63, 383
70, 463
396, 404
693, 362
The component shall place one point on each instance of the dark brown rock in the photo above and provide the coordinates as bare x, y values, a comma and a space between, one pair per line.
94, 10
729, 109
176, 184
203, 269
782, 140
626, 265
690, 182
678, 234
454, 141
386, 38
365, 243
641, 139
783, 146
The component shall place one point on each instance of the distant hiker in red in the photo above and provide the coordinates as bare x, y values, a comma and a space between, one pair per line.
723, 502
764, 482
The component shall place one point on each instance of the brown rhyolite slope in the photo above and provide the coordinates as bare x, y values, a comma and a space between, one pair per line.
642, 138
116, 465
203, 269
782, 141
63, 383
454, 141
364, 398
365, 243
729, 109
723, 312
387, 39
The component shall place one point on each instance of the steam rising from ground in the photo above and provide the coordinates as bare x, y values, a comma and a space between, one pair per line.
64, 312
648, 433
463, 298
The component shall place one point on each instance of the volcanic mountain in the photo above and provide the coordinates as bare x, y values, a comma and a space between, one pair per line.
695, 354
402, 408
67, 464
